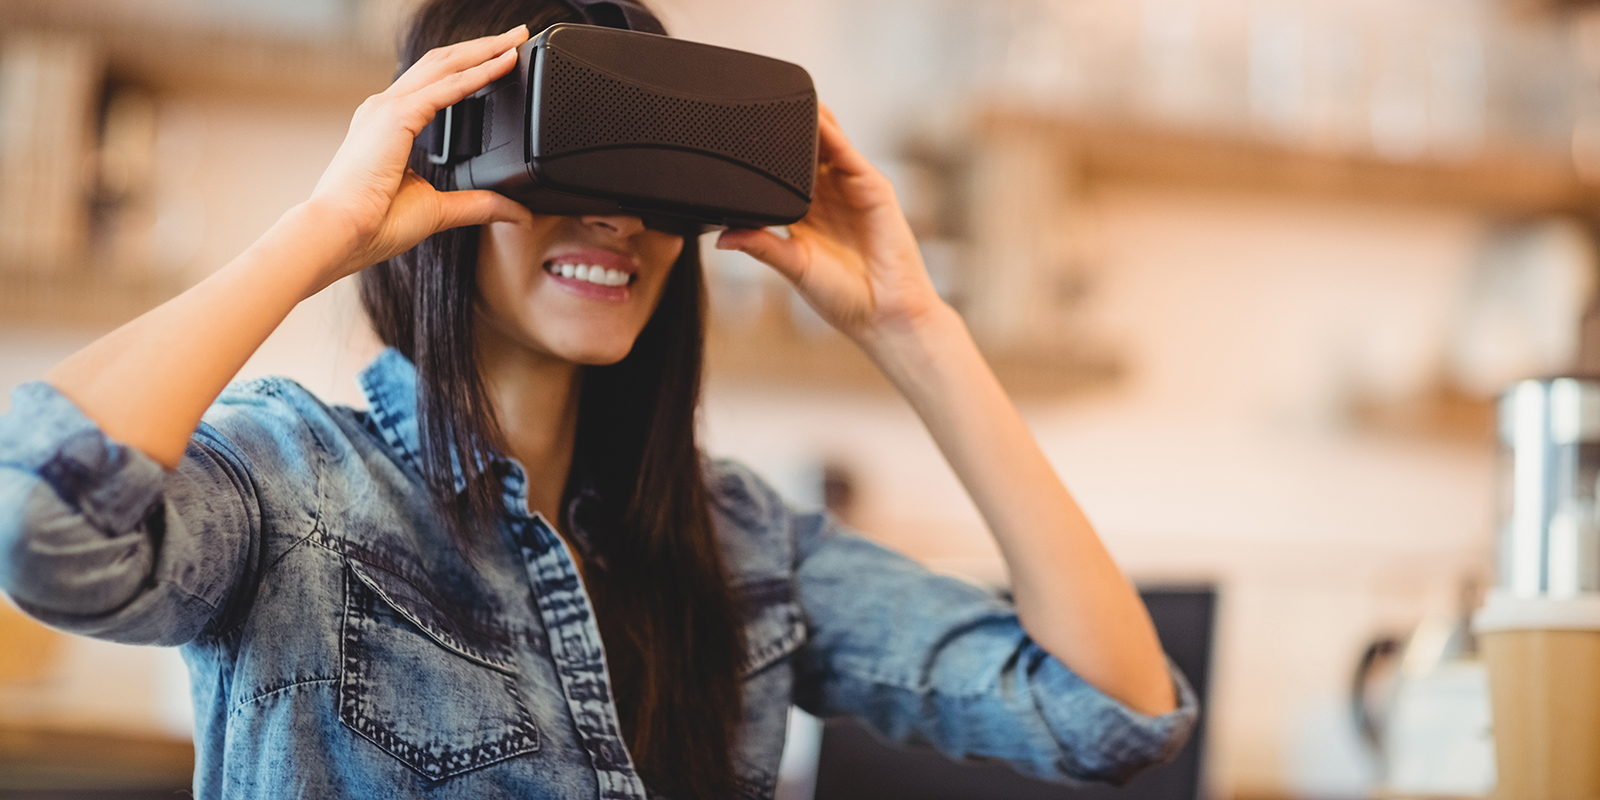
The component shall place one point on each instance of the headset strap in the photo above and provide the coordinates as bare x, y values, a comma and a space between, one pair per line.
623, 14
456, 133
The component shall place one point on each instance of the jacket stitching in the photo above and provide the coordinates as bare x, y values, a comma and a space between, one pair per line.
271, 388
275, 388
493, 661
269, 691
496, 635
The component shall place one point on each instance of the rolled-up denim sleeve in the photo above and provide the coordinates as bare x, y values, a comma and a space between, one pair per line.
926, 658
98, 539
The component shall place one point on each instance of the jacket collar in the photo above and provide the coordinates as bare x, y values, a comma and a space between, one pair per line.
390, 386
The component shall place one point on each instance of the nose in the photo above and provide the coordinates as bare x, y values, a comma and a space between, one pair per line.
619, 226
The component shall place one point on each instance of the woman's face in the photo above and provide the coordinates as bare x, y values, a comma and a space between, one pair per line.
579, 289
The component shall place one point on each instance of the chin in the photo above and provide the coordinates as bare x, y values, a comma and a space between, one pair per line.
591, 355
600, 359
575, 339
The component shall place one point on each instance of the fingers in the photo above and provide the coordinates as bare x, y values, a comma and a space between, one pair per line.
452, 89
784, 255
479, 207
444, 61
443, 77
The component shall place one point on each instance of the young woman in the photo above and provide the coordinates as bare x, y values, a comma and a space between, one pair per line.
515, 575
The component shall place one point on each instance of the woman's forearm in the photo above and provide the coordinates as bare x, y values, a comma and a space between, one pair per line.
147, 383
1071, 597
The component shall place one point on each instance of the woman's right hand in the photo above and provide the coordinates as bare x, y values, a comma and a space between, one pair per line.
381, 207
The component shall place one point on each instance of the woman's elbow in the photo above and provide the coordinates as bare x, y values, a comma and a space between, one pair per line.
55, 560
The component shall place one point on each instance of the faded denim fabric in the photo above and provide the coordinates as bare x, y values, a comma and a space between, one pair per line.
340, 646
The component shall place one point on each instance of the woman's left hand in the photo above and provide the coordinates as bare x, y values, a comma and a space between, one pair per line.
853, 256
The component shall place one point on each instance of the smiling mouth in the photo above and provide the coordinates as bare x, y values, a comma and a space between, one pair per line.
591, 273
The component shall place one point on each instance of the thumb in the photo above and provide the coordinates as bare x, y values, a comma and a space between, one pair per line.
783, 255
477, 207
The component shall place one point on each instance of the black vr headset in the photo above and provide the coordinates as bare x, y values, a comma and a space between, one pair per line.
614, 117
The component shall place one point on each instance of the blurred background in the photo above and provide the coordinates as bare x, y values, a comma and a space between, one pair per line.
1255, 271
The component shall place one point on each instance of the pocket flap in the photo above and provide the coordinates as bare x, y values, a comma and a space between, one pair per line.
461, 630
774, 624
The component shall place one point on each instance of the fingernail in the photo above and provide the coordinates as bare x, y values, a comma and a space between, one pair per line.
523, 27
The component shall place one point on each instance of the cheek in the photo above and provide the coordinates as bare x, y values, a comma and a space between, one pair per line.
664, 250
504, 283
502, 295
506, 251
495, 283
671, 248
653, 293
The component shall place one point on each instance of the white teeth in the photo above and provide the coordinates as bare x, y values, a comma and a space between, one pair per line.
592, 273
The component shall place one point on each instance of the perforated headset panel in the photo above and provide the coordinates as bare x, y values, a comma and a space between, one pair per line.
775, 137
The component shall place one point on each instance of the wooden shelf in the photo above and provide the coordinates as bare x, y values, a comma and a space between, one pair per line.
169, 58
1502, 182
1442, 413
30, 650
43, 758
259, 68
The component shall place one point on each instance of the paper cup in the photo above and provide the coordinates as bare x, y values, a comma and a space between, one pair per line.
1543, 656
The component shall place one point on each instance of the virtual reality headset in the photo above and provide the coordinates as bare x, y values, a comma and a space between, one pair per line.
614, 117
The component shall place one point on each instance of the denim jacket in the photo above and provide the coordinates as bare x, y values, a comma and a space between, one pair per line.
339, 646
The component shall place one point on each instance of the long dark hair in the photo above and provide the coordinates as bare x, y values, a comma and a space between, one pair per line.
662, 599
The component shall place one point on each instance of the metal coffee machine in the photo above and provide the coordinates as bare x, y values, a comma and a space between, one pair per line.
1549, 540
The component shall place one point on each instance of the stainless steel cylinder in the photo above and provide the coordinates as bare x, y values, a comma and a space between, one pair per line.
1549, 464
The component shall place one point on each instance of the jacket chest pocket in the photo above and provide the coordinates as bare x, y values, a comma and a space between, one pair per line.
437, 693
